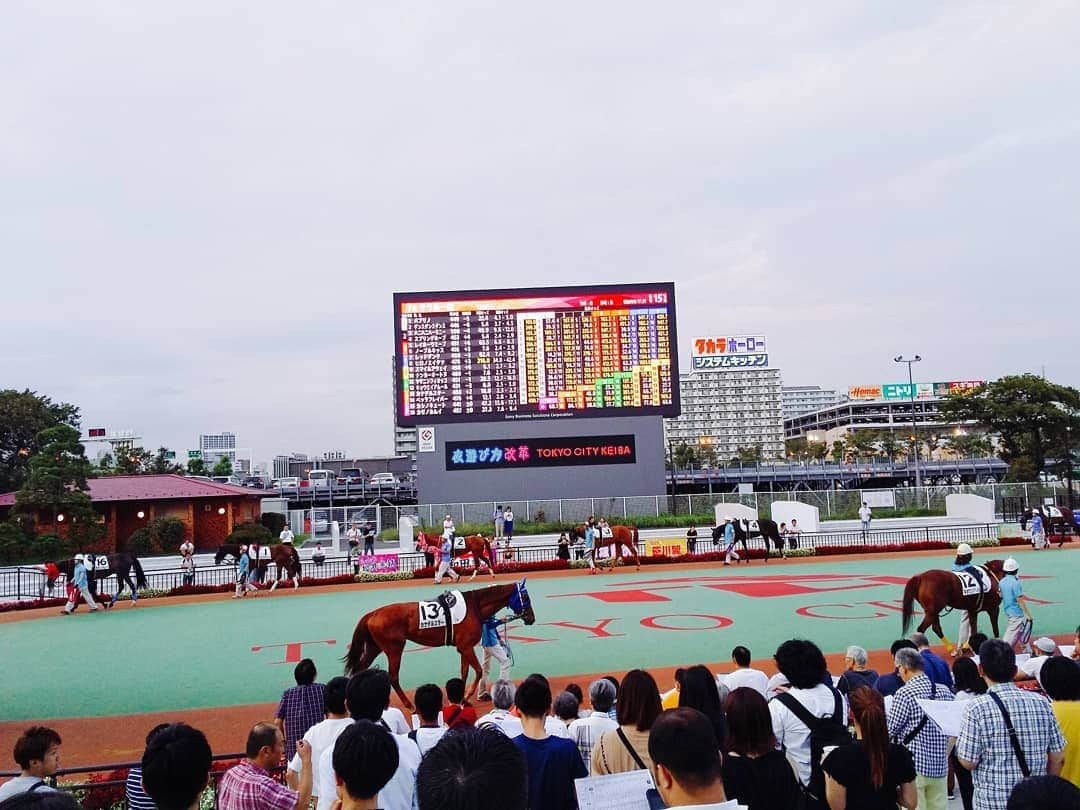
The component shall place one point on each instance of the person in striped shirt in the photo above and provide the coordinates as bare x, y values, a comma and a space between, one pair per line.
133, 787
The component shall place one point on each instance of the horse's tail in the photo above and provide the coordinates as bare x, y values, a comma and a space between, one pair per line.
140, 576
910, 591
487, 550
296, 564
361, 638
634, 534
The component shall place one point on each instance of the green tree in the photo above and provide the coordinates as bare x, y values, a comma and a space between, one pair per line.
839, 450
105, 464
224, 466
862, 443
56, 486
889, 445
751, 454
819, 451
23, 415
196, 466
1032, 418
132, 460
797, 449
161, 464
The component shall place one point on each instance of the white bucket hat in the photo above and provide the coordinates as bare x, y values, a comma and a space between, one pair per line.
963, 548
1011, 565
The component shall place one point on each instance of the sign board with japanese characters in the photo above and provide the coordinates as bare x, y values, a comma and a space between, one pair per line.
729, 352
547, 451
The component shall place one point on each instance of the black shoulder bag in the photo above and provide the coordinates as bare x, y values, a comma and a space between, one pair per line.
1024, 769
911, 735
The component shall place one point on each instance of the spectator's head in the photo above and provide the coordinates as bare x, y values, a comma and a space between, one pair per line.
998, 661
38, 751
368, 694
678, 676
575, 690
502, 694
801, 662
364, 759
305, 672
868, 711
966, 676
741, 656
428, 699
1060, 678
686, 758
265, 745
909, 663
533, 697
1043, 645
473, 769
565, 707
455, 690
920, 641
699, 692
749, 723
900, 644
334, 695
614, 682
977, 640
176, 766
41, 800
1044, 793
639, 700
601, 695
855, 656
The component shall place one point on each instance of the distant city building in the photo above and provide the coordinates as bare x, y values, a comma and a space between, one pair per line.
800, 399
728, 410
405, 441
835, 422
215, 446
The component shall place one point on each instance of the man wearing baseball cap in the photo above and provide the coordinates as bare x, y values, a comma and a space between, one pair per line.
963, 563
1014, 604
1042, 650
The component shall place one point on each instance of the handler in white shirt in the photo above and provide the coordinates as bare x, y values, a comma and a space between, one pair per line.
744, 674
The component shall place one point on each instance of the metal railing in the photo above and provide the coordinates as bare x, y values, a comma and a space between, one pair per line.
25, 582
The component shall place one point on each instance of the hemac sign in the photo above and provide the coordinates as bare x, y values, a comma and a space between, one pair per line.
731, 353
559, 451
900, 391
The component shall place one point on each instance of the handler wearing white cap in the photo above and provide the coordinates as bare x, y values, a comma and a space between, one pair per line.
1014, 604
729, 540
963, 563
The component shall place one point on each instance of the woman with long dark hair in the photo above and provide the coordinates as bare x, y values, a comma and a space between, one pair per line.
699, 691
969, 683
626, 748
755, 771
872, 773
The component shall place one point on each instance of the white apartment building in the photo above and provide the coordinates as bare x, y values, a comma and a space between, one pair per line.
728, 410
214, 446
800, 399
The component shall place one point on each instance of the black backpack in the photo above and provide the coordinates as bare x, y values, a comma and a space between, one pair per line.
825, 732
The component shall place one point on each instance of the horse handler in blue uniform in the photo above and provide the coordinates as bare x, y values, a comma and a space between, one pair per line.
79, 585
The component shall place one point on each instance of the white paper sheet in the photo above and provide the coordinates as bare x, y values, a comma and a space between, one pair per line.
1067, 649
614, 791
947, 715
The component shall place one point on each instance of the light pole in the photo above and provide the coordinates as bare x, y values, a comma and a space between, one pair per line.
914, 427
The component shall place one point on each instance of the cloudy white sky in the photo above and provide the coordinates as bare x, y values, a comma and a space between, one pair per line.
205, 207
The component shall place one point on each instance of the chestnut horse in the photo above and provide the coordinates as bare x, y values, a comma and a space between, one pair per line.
939, 591
475, 544
621, 537
386, 629
283, 555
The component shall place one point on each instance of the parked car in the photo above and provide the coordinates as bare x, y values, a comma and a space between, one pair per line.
232, 480
257, 482
288, 482
383, 480
351, 475
321, 479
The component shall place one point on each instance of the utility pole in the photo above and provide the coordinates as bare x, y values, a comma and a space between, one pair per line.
914, 426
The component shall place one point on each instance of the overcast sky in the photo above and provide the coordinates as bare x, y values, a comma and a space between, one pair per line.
205, 207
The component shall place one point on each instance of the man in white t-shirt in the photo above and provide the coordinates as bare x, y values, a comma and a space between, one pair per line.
1042, 650
585, 731
38, 753
324, 733
429, 702
864, 518
286, 535
502, 697
367, 697
744, 674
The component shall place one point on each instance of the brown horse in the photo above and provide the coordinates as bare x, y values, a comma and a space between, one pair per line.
940, 591
283, 555
386, 629
475, 544
621, 537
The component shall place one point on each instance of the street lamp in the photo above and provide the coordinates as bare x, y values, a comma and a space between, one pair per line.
914, 427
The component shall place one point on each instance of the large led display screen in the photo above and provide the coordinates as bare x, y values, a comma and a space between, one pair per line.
544, 352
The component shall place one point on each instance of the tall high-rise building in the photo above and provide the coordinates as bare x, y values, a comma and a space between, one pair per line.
726, 410
215, 446
800, 399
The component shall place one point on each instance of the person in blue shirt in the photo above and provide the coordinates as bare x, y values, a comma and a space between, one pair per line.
80, 585
729, 540
494, 649
963, 563
243, 567
1038, 532
1015, 607
590, 546
446, 559
553, 762
936, 667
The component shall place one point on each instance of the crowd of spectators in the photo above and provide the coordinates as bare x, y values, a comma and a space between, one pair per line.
801, 738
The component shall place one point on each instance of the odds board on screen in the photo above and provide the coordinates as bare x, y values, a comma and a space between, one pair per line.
543, 352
